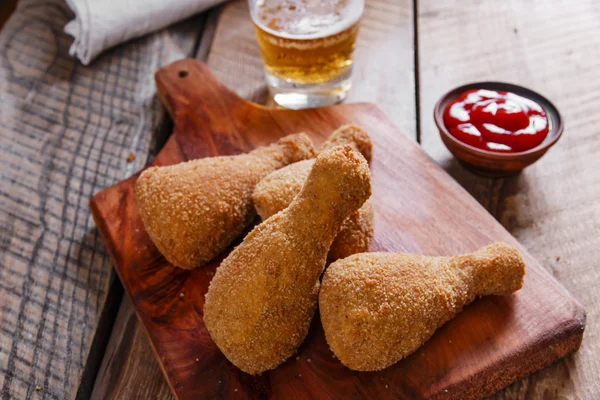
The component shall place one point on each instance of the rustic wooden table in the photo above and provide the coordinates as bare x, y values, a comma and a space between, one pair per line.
66, 131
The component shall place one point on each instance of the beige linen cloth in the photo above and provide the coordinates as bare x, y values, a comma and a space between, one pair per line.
102, 24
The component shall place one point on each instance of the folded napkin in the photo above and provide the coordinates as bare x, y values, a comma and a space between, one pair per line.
101, 24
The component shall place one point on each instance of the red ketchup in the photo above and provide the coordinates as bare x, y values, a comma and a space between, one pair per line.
501, 122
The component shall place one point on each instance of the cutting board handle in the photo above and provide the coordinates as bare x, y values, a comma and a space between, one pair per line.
186, 84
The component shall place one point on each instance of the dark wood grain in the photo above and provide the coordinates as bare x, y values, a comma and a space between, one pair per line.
419, 208
127, 375
553, 206
65, 132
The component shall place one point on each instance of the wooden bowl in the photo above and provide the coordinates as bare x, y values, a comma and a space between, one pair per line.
488, 163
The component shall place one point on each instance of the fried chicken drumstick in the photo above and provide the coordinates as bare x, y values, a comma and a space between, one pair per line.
377, 308
277, 190
263, 296
194, 210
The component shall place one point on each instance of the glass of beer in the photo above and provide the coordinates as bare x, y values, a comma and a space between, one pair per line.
306, 47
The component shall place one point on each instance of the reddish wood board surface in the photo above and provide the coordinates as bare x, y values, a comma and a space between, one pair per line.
419, 209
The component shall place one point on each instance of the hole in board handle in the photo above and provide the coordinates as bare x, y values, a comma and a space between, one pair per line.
183, 73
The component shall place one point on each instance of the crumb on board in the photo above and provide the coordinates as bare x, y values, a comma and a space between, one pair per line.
308, 360
181, 295
235, 390
130, 157
197, 359
297, 358
386, 386
38, 388
558, 257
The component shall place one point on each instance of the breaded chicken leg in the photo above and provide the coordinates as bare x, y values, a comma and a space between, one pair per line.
377, 308
353, 136
277, 190
194, 210
263, 296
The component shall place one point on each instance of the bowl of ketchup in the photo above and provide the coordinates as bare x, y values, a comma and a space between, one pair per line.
495, 128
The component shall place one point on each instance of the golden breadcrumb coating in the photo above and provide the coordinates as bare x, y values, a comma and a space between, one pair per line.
263, 296
195, 209
277, 190
377, 308
353, 136
355, 235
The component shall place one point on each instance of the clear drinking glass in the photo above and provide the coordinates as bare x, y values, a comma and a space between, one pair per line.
307, 48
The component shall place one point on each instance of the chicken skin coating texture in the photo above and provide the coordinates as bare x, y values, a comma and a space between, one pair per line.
355, 235
194, 210
263, 296
353, 136
277, 190
377, 308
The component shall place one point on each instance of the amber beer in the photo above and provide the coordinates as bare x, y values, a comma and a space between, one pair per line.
307, 46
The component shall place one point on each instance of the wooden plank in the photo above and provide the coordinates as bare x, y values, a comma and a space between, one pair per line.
492, 343
130, 370
552, 207
380, 76
66, 131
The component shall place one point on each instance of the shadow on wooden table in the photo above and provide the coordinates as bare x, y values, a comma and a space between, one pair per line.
6, 9
488, 191
120, 370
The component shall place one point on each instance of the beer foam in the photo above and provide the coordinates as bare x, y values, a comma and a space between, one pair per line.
306, 19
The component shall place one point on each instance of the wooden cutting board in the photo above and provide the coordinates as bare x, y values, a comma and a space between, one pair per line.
419, 208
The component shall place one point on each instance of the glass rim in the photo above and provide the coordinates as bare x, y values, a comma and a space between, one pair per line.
355, 21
